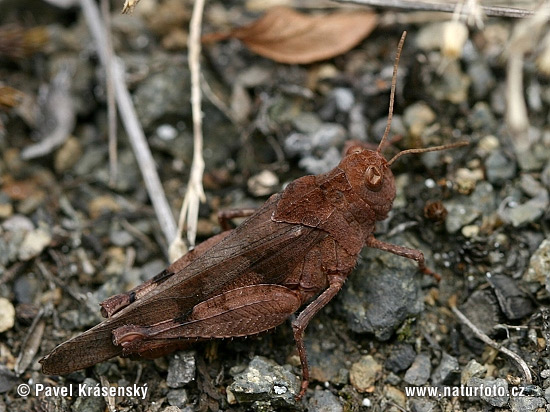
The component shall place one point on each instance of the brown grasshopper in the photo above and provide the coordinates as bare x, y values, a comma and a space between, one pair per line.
298, 248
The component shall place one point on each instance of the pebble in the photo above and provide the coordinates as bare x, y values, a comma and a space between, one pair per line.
344, 98
383, 292
181, 369
481, 118
400, 358
8, 380
162, 92
364, 373
447, 368
417, 116
264, 380
177, 397
324, 401
526, 403
419, 372
34, 242
89, 403
473, 369
530, 186
423, 405
527, 212
493, 387
512, 300
499, 168
264, 183
7, 315
395, 396
452, 85
68, 155
539, 265
460, 213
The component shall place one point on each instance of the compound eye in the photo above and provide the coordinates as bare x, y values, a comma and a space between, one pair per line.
374, 178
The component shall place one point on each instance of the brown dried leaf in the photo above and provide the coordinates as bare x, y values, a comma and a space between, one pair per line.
287, 36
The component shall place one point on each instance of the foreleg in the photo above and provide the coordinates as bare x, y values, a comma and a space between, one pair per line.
403, 251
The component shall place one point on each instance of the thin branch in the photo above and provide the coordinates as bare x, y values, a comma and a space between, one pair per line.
493, 11
131, 124
111, 103
195, 192
514, 356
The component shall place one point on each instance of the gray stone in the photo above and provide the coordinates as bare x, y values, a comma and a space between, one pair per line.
419, 372
526, 403
493, 391
423, 405
499, 168
512, 300
383, 292
472, 370
181, 369
446, 368
177, 397
89, 403
34, 242
162, 93
401, 357
527, 212
324, 401
265, 381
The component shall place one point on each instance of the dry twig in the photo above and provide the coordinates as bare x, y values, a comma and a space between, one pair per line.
195, 193
495, 11
131, 124
111, 103
494, 344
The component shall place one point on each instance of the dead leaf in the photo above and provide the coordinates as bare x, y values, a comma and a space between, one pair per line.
287, 36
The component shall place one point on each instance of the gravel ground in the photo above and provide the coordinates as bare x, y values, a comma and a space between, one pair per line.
72, 235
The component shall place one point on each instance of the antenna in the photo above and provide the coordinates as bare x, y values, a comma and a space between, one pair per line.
392, 92
427, 149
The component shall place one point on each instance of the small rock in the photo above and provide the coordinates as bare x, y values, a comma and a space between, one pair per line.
171, 409
324, 401
445, 370
459, 214
499, 168
483, 310
419, 372
181, 369
67, 155
7, 315
265, 380
481, 118
383, 292
263, 184
34, 243
526, 403
317, 165
417, 116
470, 231
344, 98
89, 403
452, 85
177, 397
530, 186
492, 391
26, 287
364, 373
401, 357
423, 405
7, 377
395, 396
513, 301
539, 265
526, 212
472, 370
